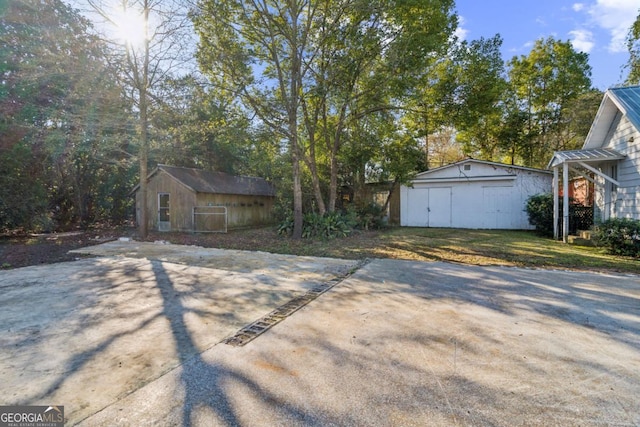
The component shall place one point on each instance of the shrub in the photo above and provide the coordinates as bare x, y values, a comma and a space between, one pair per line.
621, 236
334, 224
370, 217
540, 213
329, 226
286, 225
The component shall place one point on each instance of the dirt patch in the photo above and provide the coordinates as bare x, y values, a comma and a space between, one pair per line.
36, 249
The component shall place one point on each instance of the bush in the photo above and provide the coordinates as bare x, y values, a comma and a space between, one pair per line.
540, 213
370, 217
334, 224
621, 236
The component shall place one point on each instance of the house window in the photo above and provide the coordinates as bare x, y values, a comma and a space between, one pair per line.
467, 167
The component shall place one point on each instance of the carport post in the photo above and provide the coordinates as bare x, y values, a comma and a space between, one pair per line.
556, 202
565, 202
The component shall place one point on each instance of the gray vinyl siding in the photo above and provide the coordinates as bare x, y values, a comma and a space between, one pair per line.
626, 203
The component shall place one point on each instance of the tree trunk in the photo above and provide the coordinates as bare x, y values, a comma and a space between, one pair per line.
391, 190
333, 183
294, 98
297, 195
315, 178
143, 227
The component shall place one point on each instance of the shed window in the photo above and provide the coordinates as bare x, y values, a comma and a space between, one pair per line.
467, 167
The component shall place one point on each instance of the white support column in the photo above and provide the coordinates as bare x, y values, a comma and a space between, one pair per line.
565, 202
556, 202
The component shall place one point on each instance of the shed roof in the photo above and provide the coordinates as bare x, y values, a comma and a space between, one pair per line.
202, 181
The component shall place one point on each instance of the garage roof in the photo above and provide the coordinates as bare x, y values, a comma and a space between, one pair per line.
490, 171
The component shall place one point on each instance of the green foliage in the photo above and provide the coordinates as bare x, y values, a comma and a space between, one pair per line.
332, 225
63, 126
370, 217
543, 85
540, 213
323, 67
480, 87
633, 46
328, 226
621, 236
200, 127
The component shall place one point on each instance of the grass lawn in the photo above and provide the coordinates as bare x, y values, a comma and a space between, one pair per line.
479, 247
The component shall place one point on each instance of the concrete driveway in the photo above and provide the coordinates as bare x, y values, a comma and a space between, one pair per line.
137, 340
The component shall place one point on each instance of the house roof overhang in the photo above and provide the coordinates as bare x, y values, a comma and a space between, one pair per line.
625, 100
595, 155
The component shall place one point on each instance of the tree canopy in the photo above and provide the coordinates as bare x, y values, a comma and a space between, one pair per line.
308, 69
633, 45
322, 97
64, 126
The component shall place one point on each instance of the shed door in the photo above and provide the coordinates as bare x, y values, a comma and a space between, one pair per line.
164, 221
429, 207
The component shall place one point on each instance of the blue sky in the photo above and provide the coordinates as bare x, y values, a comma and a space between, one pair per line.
597, 27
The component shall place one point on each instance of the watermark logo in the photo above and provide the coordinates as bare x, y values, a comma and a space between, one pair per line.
31, 416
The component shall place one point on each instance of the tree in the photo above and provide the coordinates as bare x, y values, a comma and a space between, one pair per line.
145, 59
308, 63
479, 95
202, 128
369, 65
256, 50
63, 118
545, 82
633, 45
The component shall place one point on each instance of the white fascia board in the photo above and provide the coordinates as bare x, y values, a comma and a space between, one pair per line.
465, 179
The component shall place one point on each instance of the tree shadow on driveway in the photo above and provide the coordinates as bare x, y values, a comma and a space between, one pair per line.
206, 385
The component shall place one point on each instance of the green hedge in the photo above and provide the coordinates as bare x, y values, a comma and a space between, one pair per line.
621, 236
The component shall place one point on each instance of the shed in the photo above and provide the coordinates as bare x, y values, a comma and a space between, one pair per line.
472, 194
185, 199
610, 158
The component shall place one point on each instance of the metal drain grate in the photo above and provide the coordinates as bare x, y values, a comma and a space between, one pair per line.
255, 329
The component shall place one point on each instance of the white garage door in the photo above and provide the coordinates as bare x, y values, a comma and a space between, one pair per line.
498, 207
429, 207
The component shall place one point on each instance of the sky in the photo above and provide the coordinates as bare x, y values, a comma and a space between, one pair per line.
596, 27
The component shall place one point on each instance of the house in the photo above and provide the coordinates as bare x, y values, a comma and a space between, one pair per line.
611, 153
472, 194
184, 199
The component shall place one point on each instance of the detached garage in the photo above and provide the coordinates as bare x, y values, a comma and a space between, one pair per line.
472, 194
